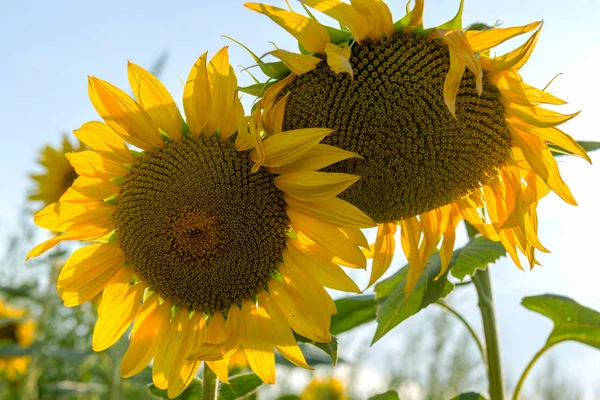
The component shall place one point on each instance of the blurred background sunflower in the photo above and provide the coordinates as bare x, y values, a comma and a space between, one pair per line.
16, 330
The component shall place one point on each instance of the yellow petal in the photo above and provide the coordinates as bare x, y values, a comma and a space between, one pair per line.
306, 305
184, 371
156, 100
258, 349
543, 163
103, 140
326, 235
314, 186
334, 210
346, 15
485, 40
554, 136
515, 90
290, 146
273, 120
61, 217
125, 116
93, 165
308, 32
223, 84
278, 331
538, 116
87, 272
512, 60
297, 63
119, 312
320, 156
197, 102
379, 15
325, 273
271, 94
416, 15
338, 59
148, 328
383, 251
410, 235
85, 189
86, 233
461, 56
220, 368
166, 354
355, 236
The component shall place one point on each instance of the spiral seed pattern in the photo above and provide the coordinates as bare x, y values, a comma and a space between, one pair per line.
417, 156
196, 225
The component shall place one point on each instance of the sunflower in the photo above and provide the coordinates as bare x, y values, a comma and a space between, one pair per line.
448, 132
59, 174
14, 330
209, 234
324, 389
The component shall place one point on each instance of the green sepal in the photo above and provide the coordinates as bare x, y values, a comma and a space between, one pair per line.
185, 129
275, 70
330, 348
338, 36
456, 22
276, 275
257, 89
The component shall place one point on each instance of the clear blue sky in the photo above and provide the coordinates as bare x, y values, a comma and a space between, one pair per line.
49, 48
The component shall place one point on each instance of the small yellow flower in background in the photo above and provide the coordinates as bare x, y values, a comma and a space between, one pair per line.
448, 132
211, 239
15, 330
59, 174
324, 389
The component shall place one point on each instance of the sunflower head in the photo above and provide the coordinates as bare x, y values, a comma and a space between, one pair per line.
324, 389
211, 239
58, 175
15, 329
446, 131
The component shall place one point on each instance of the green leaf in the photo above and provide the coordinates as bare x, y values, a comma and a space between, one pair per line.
257, 89
275, 70
352, 312
192, 392
572, 321
240, 386
587, 146
391, 395
468, 396
289, 397
476, 254
25, 290
331, 348
396, 307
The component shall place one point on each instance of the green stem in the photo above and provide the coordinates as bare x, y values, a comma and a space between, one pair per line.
209, 384
474, 335
36, 365
483, 284
519, 386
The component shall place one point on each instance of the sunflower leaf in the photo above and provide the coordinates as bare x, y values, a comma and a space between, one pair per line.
395, 306
331, 348
14, 350
353, 311
572, 321
476, 254
391, 395
469, 396
192, 392
587, 146
240, 386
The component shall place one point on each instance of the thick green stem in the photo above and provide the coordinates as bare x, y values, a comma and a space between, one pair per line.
210, 384
483, 284
472, 332
519, 386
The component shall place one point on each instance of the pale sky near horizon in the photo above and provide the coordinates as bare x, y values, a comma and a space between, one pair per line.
49, 49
